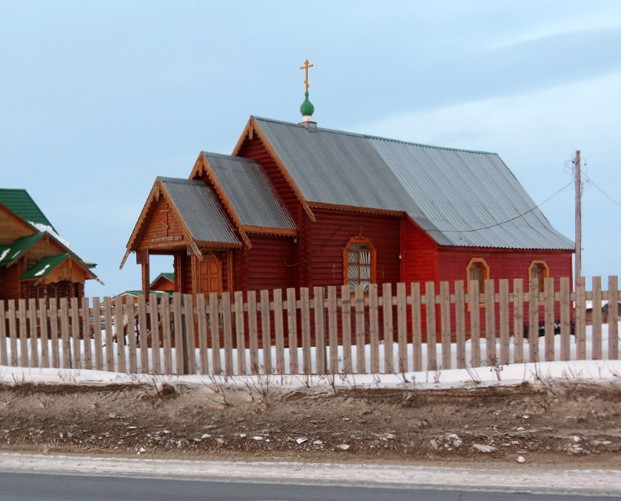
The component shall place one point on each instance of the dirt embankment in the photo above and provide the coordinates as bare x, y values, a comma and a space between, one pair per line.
575, 423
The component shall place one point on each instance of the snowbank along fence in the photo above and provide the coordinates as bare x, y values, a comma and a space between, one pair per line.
393, 329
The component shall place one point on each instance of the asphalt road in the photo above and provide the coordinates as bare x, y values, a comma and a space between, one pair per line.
46, 487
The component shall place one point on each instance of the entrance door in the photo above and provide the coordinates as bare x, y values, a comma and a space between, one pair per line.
209, 275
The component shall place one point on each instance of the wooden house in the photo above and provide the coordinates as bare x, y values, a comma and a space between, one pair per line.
298, 205
34, 261
163, 282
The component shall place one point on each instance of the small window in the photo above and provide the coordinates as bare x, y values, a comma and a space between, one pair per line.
359, 263
478, 271
537, 273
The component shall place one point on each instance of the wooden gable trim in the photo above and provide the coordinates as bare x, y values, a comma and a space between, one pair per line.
271, 231
248, 134
202, 168
353, 208
156, 193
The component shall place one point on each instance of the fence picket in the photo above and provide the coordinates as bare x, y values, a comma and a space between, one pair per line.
549, 319
490, 325
430, 311
34, 333
445, 324
23, 332
279, 332
214, 326
320, 329
306, 330
460, 324
166, 337
266, 331
518, 321
109, 334
156, 366
389, 336
253, 332
64, 333
142, 334
596, 318
54, 320
580, 320
203, 347
346, 328
402, 326
417, 330
86, 334
613, 318
97, 334
119, 333
189, 339
333, 335
292, 330
178, 328
227, 329
12, 316
474, 305
131, 335
75, 334
360, 330
503, 298
240, 332
565, 319
374, 328
533, 321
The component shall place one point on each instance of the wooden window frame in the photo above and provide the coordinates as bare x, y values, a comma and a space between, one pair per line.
546, 273
346, 250
485, 268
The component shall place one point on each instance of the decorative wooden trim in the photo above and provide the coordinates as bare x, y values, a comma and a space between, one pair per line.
249, 132
271, 231
546, 272
359, 241
360, 210
483, 262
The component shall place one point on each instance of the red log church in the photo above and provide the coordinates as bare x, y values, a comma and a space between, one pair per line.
296, 205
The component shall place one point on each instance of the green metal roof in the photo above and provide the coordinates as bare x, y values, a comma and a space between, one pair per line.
21, 204
13, 251
43, 267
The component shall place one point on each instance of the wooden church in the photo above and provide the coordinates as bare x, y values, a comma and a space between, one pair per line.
35, 262
297, 205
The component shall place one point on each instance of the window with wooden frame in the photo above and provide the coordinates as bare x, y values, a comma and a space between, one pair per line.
538, 271
477, 270
359, 263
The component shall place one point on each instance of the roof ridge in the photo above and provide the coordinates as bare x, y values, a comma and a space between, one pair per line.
381, 138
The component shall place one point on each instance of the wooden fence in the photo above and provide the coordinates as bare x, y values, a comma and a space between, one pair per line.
396, 329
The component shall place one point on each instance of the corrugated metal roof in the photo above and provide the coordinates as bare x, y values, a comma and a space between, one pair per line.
199, 207
250, 192
21, 204
462, 198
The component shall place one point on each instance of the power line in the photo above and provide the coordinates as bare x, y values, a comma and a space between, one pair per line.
513, 218
602, 191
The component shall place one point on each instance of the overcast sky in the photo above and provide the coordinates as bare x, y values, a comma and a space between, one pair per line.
99, 98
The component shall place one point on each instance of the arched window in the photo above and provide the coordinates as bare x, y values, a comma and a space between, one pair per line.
537, 272
478, 270
359, 263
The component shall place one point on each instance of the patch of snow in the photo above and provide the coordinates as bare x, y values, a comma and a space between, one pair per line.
45, 228
42, 270
4, 253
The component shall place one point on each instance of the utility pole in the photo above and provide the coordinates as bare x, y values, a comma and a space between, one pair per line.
578, 189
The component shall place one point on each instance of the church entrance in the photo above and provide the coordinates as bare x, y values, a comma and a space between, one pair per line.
209, 276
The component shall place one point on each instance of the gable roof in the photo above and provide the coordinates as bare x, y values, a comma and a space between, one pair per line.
198, 207
250, 193
21, 204
459, 197
15, 250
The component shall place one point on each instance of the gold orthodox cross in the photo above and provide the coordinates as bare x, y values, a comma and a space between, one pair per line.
306, 66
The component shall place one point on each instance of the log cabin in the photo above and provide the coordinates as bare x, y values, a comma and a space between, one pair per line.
35, 262
296, 205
